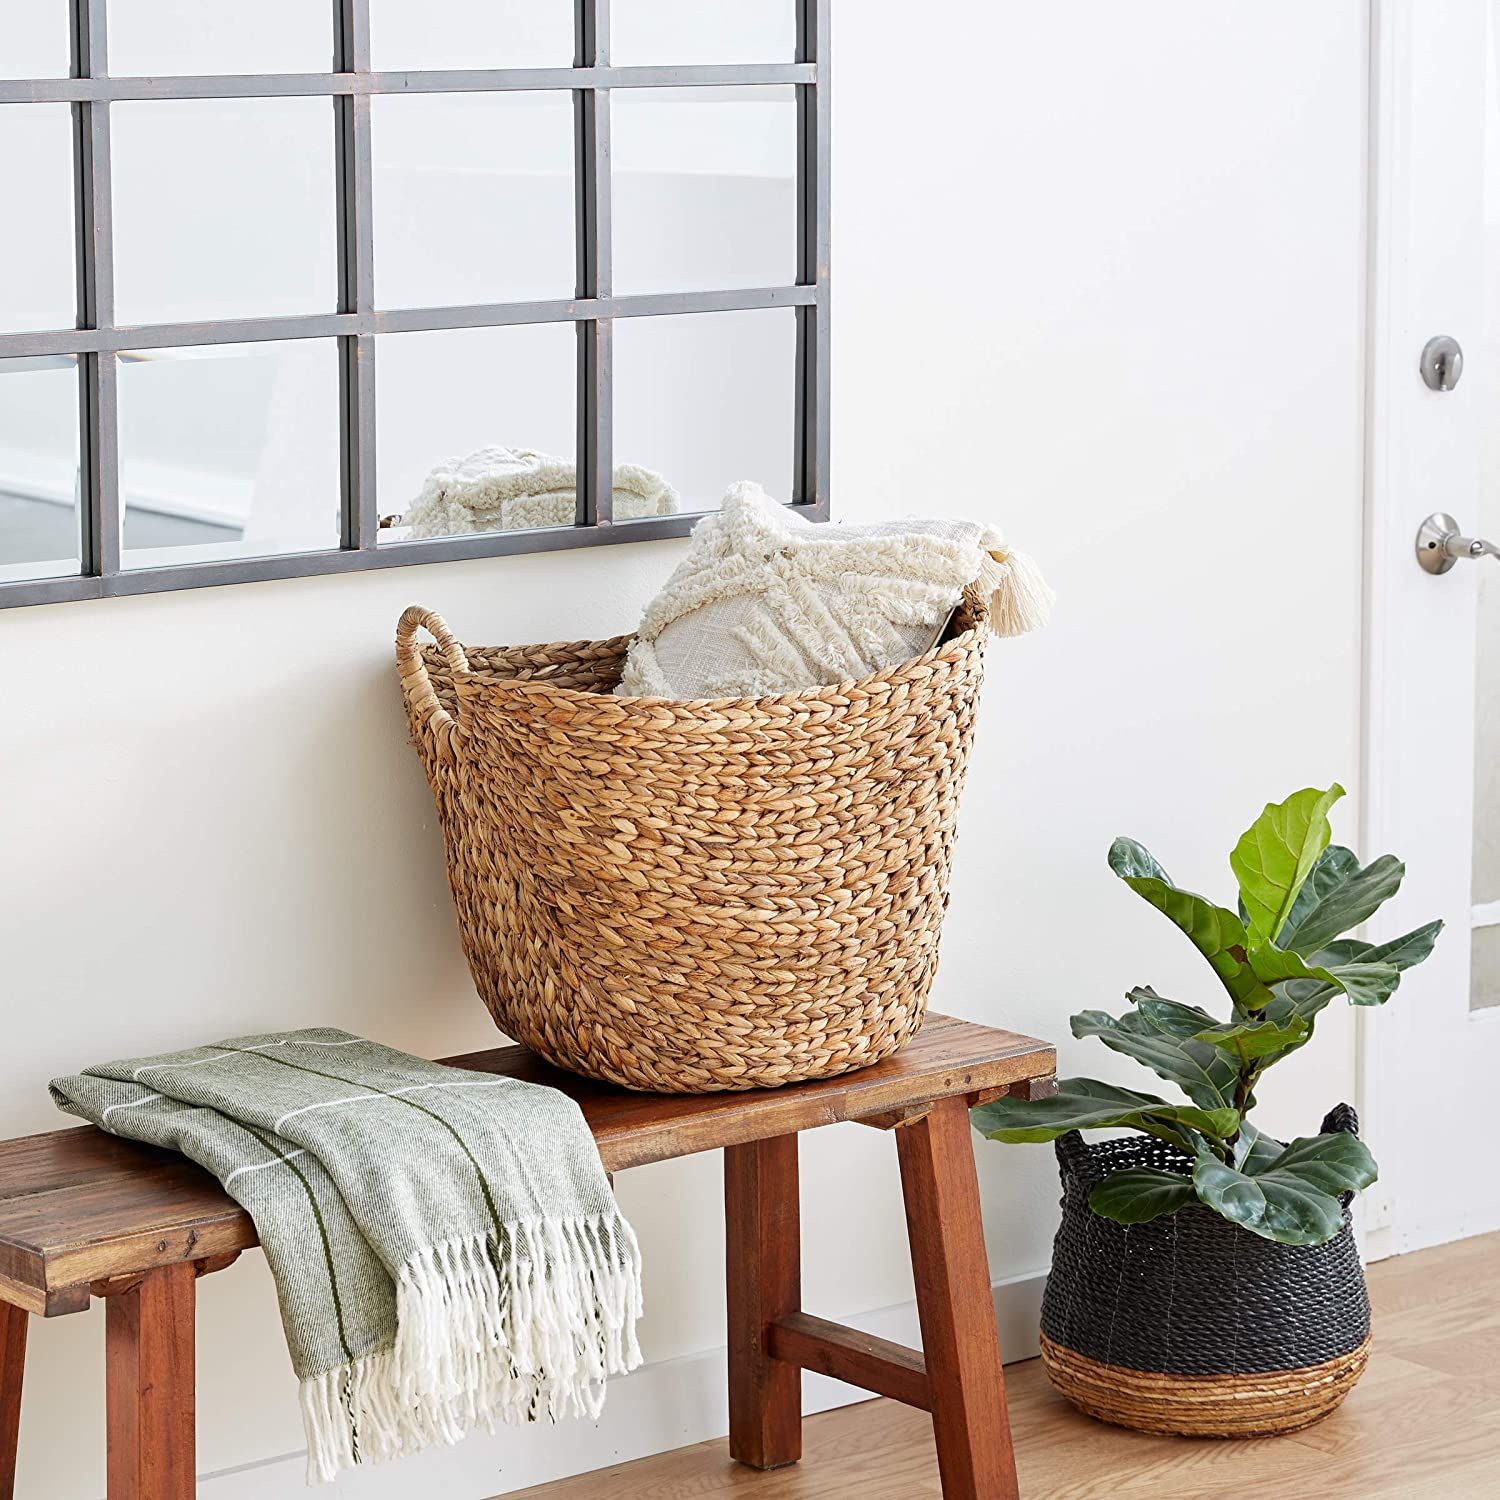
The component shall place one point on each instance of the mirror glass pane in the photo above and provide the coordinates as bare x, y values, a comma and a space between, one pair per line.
706, 399
224, 208
477, 430
148, 37
705, 188
229, 451
37, 274
690, 31
1484, 982
471, 34
34, 40
38, 467
473, 198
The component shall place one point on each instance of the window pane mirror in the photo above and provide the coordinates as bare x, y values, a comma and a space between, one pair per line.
692, 31
34, 39
471, 34
707, 399
37, 272
229, 451
39, 535
223, 208
474, 198
705, 188
279, 280
152, 37
477, 430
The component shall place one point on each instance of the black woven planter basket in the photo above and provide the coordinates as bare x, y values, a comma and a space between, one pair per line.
1190, 1324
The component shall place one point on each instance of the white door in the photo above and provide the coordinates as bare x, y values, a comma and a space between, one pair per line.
1431, 1059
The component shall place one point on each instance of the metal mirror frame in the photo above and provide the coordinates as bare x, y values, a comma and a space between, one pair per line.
350, 85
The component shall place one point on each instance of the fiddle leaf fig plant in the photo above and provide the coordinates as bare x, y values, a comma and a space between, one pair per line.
1281, 956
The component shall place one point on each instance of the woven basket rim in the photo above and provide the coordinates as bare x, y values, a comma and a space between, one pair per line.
478, 682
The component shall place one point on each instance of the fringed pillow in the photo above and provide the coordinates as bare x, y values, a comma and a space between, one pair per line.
766, 602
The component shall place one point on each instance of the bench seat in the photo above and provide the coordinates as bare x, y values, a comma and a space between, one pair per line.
84, 1214
78, 1206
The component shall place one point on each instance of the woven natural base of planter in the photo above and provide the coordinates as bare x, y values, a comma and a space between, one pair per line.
1228, 1406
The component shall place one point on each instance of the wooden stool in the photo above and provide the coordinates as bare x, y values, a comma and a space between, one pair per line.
84, 1214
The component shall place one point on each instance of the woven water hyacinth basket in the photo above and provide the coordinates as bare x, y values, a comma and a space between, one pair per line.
689, 896
1190, 1324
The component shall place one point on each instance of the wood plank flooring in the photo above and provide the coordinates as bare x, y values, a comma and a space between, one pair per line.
1424, 1424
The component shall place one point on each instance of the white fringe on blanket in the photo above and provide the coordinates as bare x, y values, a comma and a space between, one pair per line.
472, 1348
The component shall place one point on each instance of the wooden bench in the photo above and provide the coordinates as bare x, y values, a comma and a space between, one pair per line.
84, 1214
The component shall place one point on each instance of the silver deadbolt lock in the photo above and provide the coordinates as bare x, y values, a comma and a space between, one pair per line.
1442, 362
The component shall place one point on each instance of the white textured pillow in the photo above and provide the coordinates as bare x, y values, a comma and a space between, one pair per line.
767, 602
515, 489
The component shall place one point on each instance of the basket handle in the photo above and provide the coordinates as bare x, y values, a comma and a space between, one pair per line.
421, 701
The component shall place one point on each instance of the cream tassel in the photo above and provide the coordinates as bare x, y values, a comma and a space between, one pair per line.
1020, 598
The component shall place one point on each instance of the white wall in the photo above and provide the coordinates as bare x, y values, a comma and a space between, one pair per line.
1105, 287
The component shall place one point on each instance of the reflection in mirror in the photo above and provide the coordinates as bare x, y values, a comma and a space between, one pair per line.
476, 430
707, 399
471, 34
688, 31
149, 37
223, 208
34, 40
36, 217
39, 535
229, 451
705, 188
1484, 972
473, 198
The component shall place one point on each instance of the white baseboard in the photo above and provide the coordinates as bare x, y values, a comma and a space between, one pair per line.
662, 1406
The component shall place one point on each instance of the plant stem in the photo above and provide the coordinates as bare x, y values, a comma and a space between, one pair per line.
1244, 1086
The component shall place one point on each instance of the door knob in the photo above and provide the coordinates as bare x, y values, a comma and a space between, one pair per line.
1440, 544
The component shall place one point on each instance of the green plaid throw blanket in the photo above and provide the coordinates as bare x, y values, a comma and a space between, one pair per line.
445, 1244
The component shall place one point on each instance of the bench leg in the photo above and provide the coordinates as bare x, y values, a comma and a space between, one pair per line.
966, 1383
150, 1387
764, 1263
12, 1367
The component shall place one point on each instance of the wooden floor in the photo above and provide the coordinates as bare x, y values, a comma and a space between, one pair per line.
1424, 1424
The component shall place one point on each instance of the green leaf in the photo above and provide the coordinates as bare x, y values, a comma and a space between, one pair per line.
1402, 953
1276, 854
1086, 1104
1277, 1205
1206, 1077
1254, 1151
1334, 866
1131, 860
1363, 983
1346, 902
1248, 1041
1217, 934
1140, 1194
1292, 1196
1336, 1163
1309, 996
1170, 1016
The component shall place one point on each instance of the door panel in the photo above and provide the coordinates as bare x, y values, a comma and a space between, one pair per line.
1429, 1058
1484, 976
